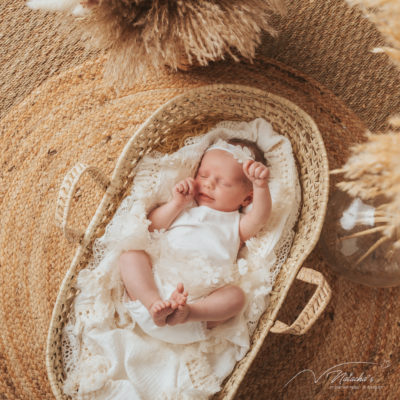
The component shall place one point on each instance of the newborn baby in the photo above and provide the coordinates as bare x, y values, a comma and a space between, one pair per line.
229, 178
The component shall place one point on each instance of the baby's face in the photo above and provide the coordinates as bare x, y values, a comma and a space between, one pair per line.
221, 183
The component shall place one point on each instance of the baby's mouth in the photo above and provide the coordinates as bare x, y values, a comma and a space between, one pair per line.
204, 196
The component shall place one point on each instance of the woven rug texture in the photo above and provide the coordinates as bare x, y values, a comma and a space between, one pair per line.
56, 110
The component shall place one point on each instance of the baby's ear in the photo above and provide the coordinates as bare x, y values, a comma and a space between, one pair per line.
246, 207
248, 200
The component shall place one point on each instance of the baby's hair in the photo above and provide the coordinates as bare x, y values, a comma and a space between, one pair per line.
258, 154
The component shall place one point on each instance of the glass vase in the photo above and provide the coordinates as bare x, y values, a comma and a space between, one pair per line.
345, 249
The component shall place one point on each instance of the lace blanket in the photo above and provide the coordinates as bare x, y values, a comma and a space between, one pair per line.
106, 354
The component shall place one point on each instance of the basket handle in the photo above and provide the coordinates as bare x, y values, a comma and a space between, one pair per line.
66, 193
313, 309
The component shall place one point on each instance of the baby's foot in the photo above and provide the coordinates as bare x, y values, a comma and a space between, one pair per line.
180, 315
179, 295
160, 310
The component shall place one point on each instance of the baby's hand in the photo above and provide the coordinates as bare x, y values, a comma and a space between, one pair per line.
184, 191
257, 173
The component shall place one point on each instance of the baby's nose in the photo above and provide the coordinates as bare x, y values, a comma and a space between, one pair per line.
209, 183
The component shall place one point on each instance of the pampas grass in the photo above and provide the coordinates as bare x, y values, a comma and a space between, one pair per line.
144, 34
149, 34
372, 173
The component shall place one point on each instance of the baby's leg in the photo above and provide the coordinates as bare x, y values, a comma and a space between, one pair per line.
217, 307
137, 276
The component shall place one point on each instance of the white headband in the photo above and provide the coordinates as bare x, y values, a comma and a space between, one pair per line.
241, 154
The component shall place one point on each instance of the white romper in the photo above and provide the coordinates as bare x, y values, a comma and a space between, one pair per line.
199, 249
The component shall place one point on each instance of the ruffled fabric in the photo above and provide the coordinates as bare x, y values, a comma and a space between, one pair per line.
105, 351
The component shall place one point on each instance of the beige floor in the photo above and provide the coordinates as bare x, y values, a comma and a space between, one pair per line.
330, 43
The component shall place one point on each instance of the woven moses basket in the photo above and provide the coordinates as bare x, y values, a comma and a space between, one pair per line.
191, 113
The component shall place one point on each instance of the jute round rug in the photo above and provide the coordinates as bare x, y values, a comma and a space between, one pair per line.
76, 117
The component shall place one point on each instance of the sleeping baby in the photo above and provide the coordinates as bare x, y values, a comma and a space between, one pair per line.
202, 218
171, 298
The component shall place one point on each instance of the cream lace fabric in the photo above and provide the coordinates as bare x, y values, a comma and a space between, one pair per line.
106, 355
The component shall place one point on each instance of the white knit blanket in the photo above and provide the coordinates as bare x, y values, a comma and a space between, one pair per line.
106, 354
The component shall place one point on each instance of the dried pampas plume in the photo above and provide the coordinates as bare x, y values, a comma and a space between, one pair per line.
372, 172
143, 34
385, 14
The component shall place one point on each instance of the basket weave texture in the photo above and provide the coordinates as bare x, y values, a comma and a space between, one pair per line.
196, 111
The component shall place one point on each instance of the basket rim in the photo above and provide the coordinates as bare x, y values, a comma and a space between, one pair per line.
114, 188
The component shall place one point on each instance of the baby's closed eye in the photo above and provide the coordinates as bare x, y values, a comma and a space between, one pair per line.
202, 174
226, 184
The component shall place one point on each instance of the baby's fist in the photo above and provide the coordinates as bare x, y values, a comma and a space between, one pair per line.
184, 191
257, 173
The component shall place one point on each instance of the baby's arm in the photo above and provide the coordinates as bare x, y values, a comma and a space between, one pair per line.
163, 216
256, 218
